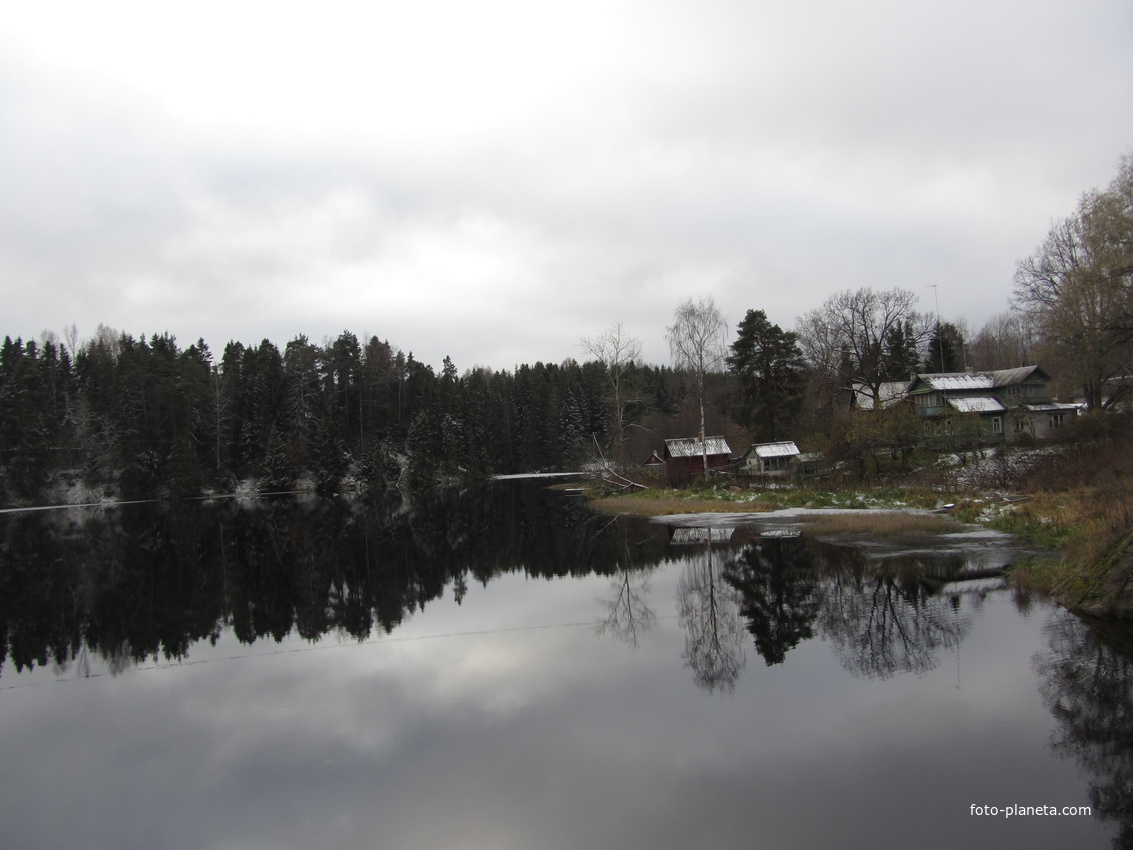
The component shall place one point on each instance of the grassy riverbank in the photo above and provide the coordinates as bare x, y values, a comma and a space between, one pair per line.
1079, 505
721, 498
1082, 507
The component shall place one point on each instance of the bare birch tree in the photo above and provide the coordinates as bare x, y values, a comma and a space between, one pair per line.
697, 342
617, 351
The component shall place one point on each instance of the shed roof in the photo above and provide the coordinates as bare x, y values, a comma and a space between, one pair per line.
784, 448
693, 447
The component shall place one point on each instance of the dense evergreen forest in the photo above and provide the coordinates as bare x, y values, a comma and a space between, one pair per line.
145, 417
141, 418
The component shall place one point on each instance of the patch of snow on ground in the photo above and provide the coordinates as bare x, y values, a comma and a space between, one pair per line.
991, 468
521, 475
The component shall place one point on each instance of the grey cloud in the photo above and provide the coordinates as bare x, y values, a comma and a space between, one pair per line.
766, 154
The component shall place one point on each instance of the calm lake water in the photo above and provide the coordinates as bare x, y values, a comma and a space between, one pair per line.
503, 669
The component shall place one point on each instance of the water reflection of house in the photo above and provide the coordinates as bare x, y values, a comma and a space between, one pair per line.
680, 534
964, 580
781, 533
685, 457
993, 406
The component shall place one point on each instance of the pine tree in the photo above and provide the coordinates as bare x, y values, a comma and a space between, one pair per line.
768, 363
276, 473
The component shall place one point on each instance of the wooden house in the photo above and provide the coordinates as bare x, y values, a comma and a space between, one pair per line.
994, 406
684, 457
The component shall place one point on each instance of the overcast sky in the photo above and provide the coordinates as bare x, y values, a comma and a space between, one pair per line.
493, 180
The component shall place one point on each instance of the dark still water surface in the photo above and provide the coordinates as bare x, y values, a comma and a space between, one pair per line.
502, 669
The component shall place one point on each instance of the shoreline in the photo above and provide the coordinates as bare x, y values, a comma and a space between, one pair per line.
1100, 586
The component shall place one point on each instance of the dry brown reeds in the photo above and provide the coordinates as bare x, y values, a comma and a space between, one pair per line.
1084, 506
665, 506
881, 523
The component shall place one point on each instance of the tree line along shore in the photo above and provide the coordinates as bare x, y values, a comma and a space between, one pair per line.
125, 417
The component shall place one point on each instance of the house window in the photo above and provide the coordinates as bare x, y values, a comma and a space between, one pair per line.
996, 425
929, 400
1020, 424
1056, 420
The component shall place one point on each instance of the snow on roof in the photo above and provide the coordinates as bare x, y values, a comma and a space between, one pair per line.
977, 404
782, 449
692, 447
1050, 406
959, 381
980, 380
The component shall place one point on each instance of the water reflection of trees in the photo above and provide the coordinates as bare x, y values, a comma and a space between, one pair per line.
778, 594
1088, 687
148, 581
708, 609
626, 614
881, 617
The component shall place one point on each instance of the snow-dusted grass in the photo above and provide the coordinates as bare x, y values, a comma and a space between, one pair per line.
724, 499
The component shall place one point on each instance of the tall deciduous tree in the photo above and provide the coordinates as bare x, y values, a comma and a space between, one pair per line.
850, 338
1078, 288
696, 342
618, 351
1004, 342
768, 362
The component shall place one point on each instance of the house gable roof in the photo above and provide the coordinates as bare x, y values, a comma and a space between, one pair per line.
693, 447
975, 381
1007, 377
